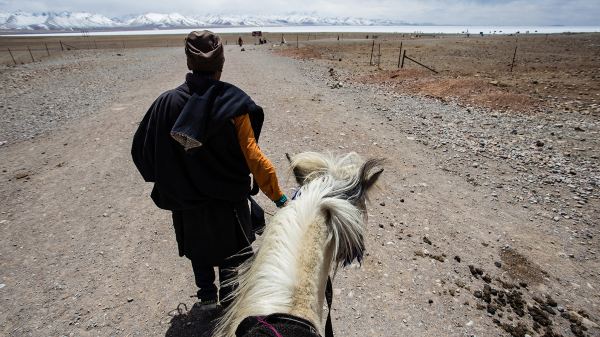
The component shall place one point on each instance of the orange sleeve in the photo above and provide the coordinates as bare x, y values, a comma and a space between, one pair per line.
260, 166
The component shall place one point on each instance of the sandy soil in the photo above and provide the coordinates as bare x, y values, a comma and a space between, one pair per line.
84, 252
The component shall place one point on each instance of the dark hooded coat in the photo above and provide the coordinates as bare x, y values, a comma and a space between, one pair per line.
207, 187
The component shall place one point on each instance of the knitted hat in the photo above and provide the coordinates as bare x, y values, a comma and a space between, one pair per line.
204, 51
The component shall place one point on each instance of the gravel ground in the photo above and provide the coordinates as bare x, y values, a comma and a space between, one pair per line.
452, 251
543, 159
42, 96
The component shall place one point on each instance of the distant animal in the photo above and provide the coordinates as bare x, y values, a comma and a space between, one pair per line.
281, 290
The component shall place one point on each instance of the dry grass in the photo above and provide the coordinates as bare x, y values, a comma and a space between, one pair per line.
550, 72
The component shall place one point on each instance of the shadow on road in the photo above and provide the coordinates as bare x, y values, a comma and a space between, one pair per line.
192, 323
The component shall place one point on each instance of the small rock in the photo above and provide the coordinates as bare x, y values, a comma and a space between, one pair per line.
129, 299
382, 203
551, 302
22, 175
539, 143
487, 278
498, 264
426, 240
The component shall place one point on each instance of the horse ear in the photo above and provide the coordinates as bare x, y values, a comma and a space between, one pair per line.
306, 164
372, 178
371, 170
299, 174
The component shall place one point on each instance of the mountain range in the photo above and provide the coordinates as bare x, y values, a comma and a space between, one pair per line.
68, 21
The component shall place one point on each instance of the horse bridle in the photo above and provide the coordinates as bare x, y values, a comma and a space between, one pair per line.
269, 323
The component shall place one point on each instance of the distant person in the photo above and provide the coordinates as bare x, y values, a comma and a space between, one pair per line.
198, 145
240, 41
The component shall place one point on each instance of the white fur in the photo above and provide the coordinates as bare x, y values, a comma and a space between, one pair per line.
271, 280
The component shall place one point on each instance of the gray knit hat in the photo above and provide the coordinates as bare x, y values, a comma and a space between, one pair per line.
204, 51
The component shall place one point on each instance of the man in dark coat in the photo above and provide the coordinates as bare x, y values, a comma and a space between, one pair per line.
198, 145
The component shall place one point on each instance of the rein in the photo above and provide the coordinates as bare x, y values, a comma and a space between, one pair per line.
329, 299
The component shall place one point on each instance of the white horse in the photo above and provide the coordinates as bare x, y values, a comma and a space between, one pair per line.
283, 286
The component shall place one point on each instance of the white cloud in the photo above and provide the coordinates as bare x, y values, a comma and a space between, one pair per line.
511, 12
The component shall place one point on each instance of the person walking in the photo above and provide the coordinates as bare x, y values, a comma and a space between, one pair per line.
198, 144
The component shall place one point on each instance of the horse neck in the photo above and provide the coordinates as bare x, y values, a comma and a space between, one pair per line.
313, 268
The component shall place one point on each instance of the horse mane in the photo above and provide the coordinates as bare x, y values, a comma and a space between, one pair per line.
332, 193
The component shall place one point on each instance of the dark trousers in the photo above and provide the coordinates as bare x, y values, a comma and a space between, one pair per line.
205, 278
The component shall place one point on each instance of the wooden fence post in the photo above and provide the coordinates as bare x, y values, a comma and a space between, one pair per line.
513, 60
47, 50
296, 40
62, 48
372, 47
400, 54
11, 56
30, 54
403, 57
379, 56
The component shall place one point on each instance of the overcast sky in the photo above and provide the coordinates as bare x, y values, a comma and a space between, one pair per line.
473, 12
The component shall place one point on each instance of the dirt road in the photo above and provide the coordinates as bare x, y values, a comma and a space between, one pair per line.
84, 252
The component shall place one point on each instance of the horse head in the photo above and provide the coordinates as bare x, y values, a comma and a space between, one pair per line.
319, 231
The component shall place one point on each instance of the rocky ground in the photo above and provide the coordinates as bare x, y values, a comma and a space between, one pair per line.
485, 223
44, 95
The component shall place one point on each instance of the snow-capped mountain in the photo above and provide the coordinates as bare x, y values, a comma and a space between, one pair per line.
83, 20
55, 21
160, 21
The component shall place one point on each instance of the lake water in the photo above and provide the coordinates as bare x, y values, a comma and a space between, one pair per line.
346, 29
